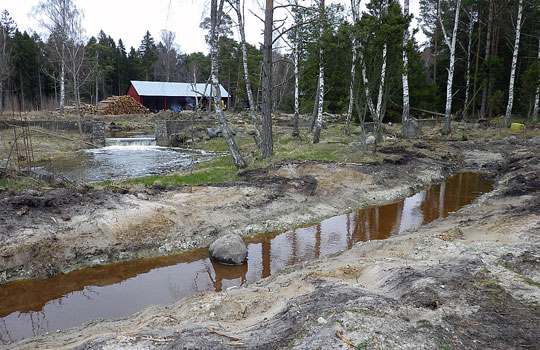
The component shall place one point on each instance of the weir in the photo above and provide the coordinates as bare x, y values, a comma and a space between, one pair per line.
31, 308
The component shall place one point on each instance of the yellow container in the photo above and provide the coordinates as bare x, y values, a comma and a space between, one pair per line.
517, 127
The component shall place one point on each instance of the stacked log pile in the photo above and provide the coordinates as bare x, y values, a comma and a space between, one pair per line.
117, 105
85, 109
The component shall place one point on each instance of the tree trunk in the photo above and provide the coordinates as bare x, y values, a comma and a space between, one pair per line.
315, 108
476, 64
77, 97
405, 75
267, 143
448, 111
317, 134
97, 81
214, 54
508, 117
365, 81
1, 97
241, 28
378, 123
40, 90
468, 82
296, 131
486, 60
351, 86
62, 80
436, 43
536, 97
494, 53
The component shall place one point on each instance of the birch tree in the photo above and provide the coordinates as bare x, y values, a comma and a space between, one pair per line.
239, 9
508, 116
267, 70
318, 127
296, 60
355, 9
215, 13
537, 95
472, 20
167, 56
54, 17
449, 84
375, 110
74, 49
405, 75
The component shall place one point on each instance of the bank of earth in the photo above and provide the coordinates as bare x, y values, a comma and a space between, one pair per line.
471, 280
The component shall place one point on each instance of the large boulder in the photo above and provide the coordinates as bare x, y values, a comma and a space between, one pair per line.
411, 129
370, 140
535, 140
229, 250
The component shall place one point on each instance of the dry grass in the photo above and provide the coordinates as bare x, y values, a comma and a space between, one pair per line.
45, 147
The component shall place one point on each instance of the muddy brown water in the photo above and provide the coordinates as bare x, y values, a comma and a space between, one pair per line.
34, 307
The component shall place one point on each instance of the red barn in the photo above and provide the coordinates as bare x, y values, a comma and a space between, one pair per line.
156, 95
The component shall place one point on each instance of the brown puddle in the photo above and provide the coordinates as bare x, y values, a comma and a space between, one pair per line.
35, 307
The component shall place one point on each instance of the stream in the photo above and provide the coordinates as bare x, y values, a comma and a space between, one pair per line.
126, 156
34, 307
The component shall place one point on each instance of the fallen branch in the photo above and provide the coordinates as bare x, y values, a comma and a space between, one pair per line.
234, 344
224, 335
345, 340
157, 340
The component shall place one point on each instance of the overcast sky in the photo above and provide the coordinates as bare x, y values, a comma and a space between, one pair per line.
130, 19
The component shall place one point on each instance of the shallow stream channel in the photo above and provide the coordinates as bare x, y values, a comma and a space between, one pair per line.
126, 155
34, 307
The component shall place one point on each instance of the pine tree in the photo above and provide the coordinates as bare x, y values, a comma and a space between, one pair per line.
148, 56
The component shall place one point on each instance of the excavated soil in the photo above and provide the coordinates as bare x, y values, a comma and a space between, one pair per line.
470, 281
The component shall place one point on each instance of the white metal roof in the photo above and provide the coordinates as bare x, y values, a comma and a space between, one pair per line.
156, 88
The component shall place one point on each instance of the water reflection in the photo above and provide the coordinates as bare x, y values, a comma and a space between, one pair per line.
34, 307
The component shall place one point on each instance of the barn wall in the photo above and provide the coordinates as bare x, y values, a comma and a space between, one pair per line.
133, 93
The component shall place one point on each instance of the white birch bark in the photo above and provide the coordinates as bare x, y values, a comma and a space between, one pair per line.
355, 9
216, 91
405, 75
62, 81
378, 126
469, 47
241, 27
318, 127
449, 84
351, 86
296, 58
315, 109
508, 116
365, 80
537, 96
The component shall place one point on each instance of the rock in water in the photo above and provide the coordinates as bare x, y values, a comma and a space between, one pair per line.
229, 250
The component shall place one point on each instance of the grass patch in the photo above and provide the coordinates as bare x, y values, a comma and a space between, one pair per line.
19, 183
217, 171
45, 147
507, 265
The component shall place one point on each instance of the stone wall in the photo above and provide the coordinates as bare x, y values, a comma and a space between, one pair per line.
92, 127
165, 128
